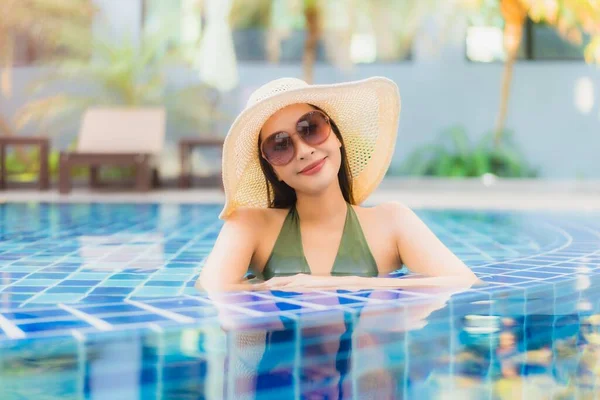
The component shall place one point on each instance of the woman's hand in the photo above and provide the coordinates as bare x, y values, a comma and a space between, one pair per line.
307, 282
420, 249
304, 282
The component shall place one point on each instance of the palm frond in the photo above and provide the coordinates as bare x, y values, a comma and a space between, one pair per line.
117, 74
45, 113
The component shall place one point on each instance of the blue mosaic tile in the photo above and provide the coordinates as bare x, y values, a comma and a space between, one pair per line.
131, 283
111, 291
20, 268
189, 291
53, 298
126, 276
505, 279
14, 297
60, 269
180, 265
30, 263
54, 313
552, 269
274, 307
95, 299
67, 289
533, 274
134, 319
335, 300
163, 283
200, 313
96, 257
177, 303
48, 275
118, 308
139, 271
22, 289
492, 270
89, 276
170, 277
9, 275
156, 291
37, 282
53, 325
243, 298
79, 282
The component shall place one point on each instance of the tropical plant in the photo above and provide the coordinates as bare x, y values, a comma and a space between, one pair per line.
571, 18
23, 168
313, 32
247, 14
454, 155
334, 22
54, 25
118, 74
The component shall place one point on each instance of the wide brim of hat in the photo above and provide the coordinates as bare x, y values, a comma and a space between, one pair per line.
366, 112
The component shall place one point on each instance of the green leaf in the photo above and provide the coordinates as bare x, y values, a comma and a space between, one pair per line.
460, 140
453, 155
119, 74
480, 162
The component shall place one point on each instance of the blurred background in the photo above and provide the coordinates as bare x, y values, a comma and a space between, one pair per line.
503, 87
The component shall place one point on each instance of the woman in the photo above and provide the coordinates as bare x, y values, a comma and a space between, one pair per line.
292, 192
362, 357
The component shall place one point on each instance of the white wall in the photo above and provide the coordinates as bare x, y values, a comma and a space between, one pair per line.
118, 19
439, 90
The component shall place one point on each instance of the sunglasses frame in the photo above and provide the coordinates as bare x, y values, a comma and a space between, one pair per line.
327, 120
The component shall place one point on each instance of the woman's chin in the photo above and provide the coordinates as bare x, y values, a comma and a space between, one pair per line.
317, 183
315, 187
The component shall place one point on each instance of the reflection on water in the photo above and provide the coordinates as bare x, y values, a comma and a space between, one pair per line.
440, 348
538, 340
135, 252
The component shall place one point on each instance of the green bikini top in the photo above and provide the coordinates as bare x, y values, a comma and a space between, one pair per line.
353, 258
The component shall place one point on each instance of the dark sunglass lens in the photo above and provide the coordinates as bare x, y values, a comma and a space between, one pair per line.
279, 148
313, 127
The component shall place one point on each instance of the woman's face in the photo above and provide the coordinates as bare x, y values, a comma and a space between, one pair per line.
285, 120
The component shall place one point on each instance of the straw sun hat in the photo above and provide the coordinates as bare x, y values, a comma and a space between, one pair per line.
366, 113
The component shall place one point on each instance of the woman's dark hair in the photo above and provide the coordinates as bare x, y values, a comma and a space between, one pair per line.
280, 195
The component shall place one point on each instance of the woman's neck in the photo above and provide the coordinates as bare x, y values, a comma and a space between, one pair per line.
321, 207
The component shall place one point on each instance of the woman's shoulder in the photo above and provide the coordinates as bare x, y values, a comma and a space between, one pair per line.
384, 211
257, 219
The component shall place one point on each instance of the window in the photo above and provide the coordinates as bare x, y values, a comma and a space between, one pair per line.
275, 30
26, 51
485, 42
178, 21
36, 37
547, 44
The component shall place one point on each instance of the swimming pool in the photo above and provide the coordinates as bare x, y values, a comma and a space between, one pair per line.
97, 301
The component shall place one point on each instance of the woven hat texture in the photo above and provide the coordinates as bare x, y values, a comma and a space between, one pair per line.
365, 111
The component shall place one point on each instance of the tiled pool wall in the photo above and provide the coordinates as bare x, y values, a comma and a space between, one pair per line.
98, 299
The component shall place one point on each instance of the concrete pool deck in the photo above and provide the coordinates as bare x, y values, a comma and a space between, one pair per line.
512, 194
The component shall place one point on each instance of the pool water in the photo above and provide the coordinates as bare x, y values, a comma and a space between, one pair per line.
97, 301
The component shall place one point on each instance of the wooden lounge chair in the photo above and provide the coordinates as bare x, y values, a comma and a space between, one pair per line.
186, 147
119, 137
43, 145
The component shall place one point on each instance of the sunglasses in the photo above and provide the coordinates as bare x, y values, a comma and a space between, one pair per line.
313, 128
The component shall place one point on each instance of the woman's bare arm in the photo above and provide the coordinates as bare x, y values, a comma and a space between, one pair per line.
227, 264
420, 250
303, 282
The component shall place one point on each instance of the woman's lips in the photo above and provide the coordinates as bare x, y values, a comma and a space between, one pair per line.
314, 168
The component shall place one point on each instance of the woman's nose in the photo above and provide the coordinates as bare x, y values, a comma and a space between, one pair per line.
303, 149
